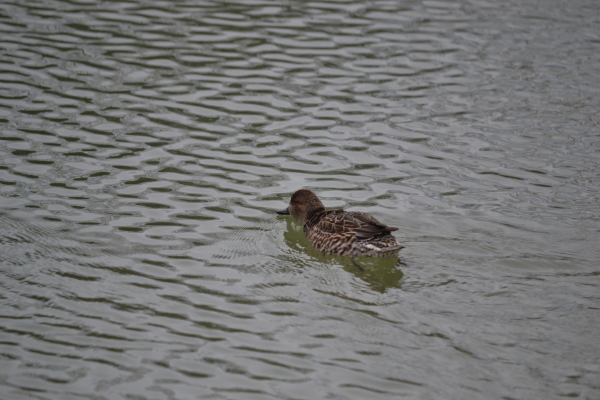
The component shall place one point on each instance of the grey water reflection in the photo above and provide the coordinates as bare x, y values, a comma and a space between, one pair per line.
145, 146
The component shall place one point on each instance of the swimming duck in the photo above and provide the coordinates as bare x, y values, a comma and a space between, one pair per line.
345, 233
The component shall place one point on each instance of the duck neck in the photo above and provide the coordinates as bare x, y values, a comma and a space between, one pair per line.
313, 217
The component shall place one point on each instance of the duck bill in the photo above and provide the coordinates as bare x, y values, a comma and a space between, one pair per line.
285, 211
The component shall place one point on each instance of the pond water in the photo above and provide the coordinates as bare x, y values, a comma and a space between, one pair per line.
145, 147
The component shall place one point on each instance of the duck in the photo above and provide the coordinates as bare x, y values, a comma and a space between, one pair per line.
339, 232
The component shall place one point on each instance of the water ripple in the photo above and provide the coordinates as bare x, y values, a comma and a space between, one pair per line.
145, 147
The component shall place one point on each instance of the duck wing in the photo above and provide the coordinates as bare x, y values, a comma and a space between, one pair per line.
363, 225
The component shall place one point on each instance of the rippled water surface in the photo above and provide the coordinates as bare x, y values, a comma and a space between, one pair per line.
145, 147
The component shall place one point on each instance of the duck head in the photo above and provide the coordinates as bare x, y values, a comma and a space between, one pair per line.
303, 205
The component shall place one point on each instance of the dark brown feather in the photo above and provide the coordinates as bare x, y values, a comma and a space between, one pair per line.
363, 225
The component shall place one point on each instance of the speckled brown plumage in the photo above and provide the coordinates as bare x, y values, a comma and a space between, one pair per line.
346, 233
